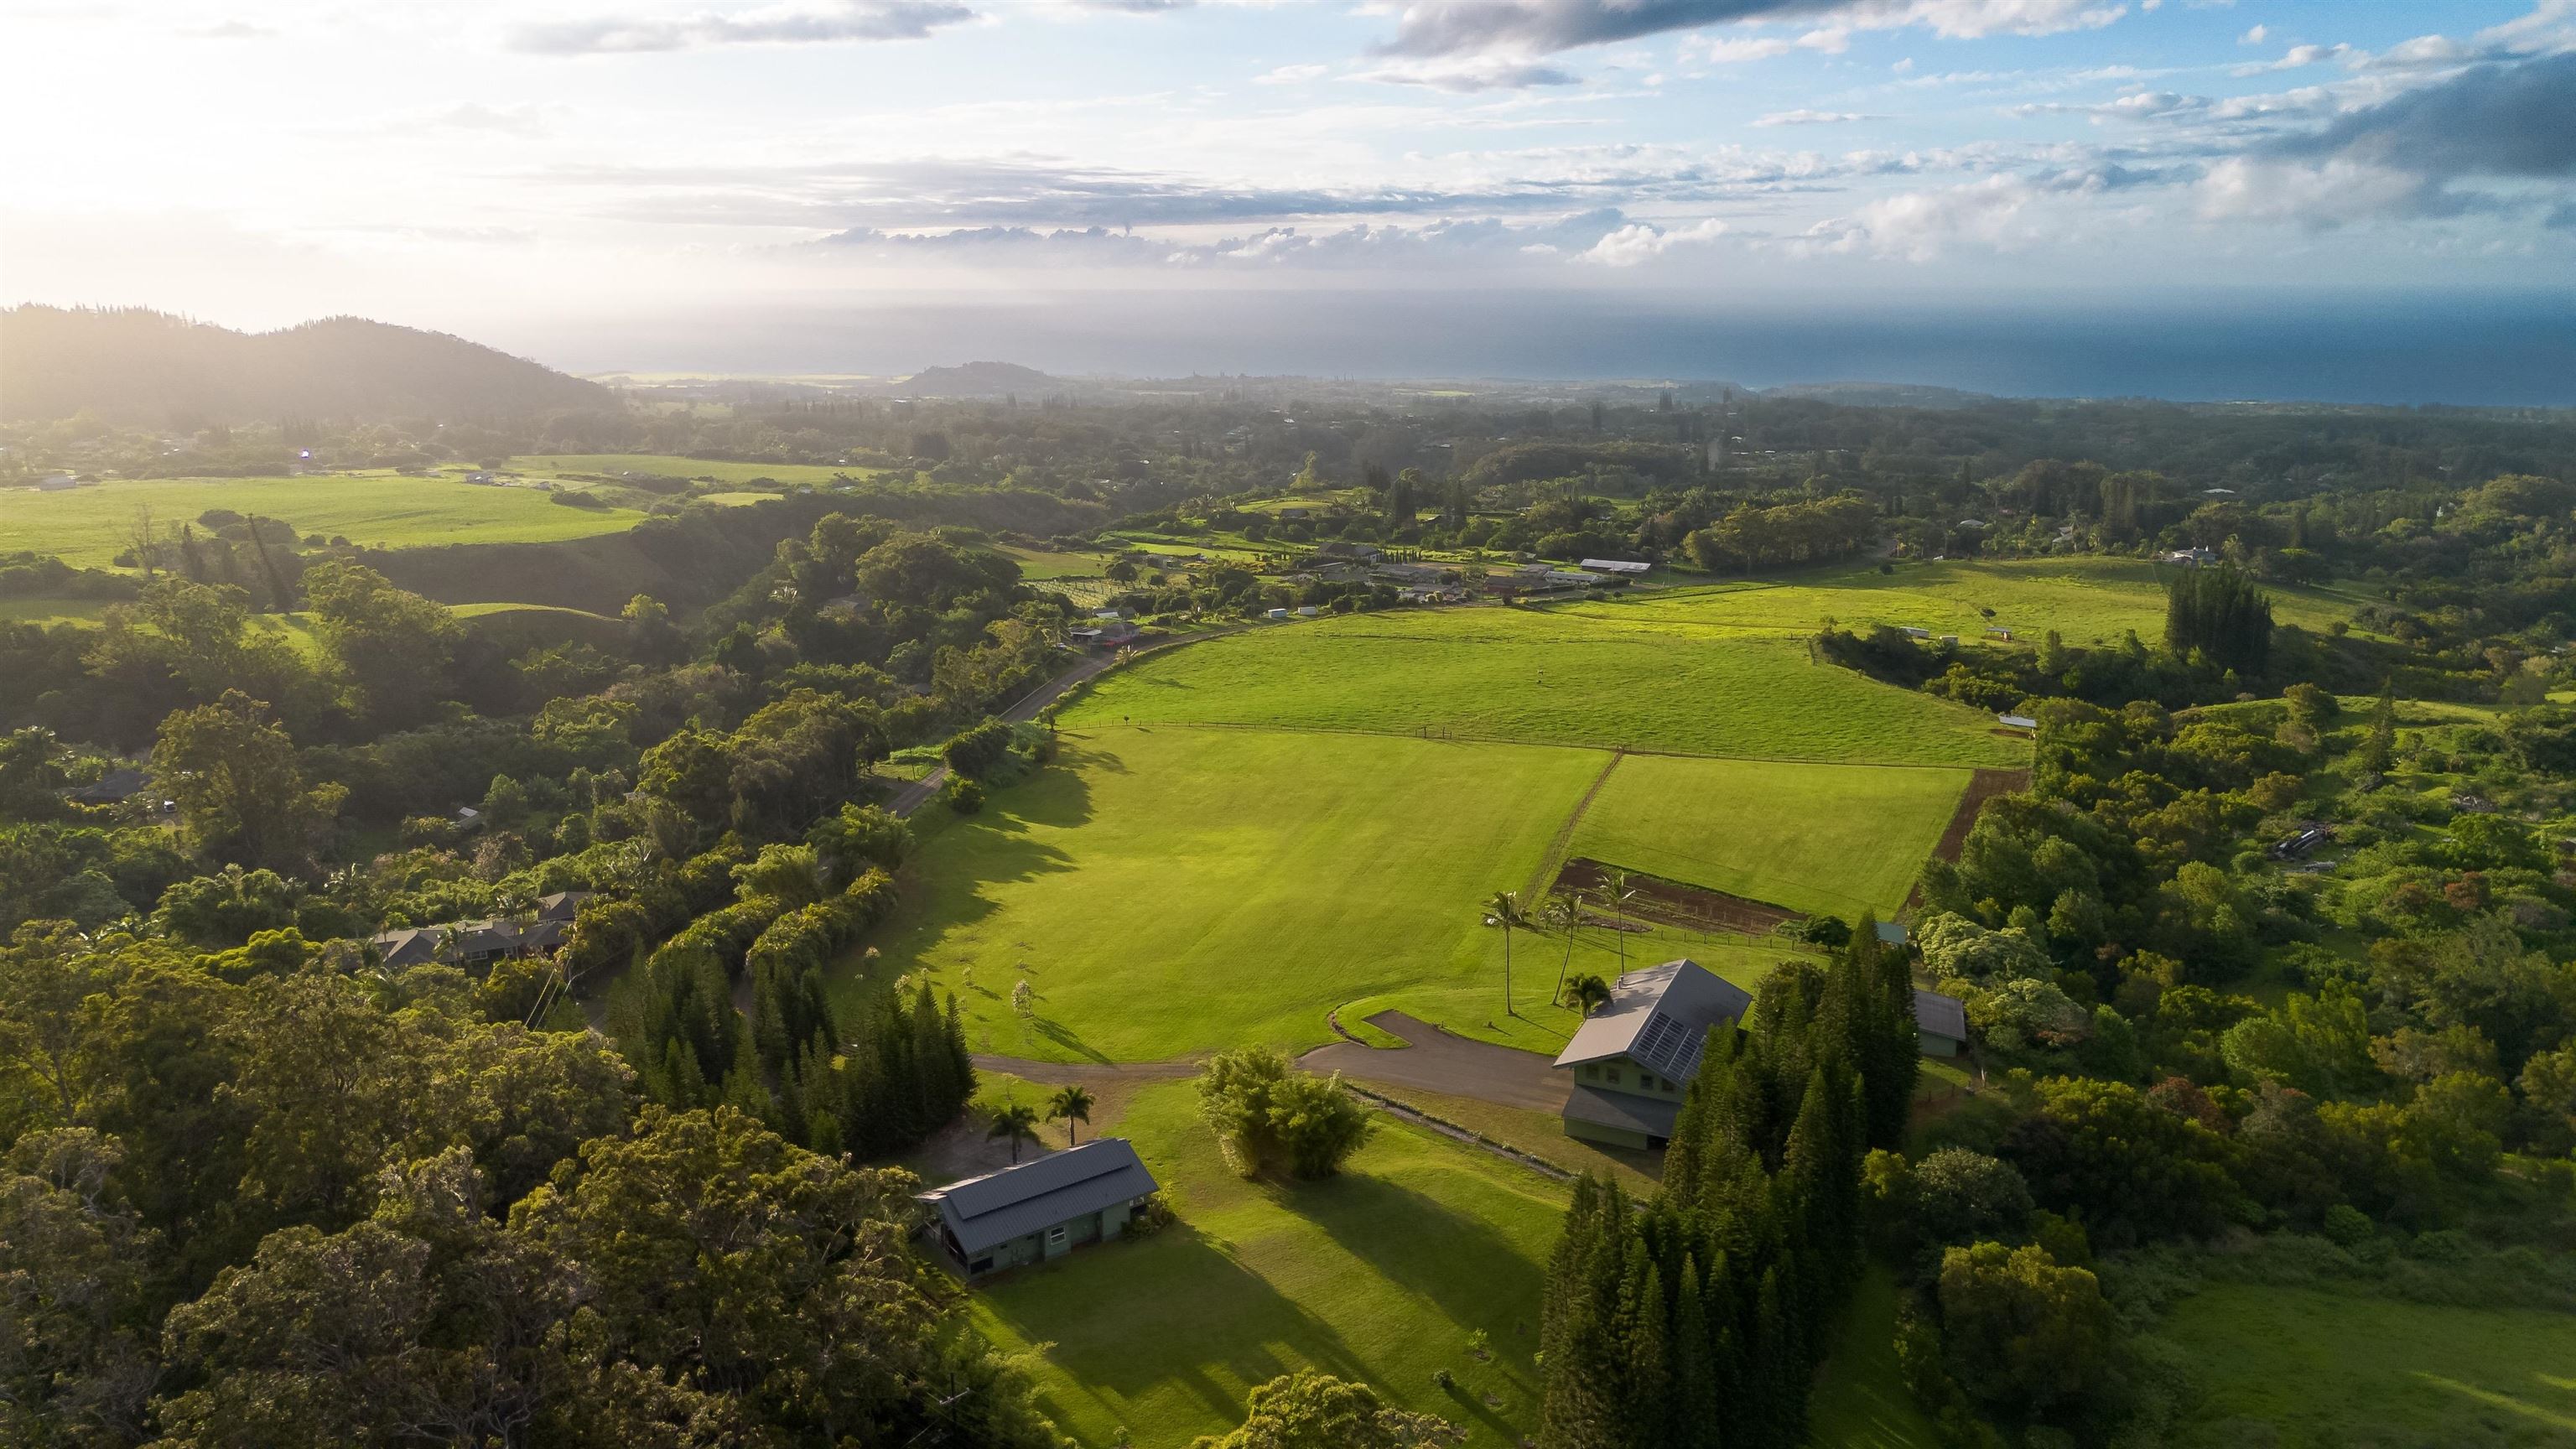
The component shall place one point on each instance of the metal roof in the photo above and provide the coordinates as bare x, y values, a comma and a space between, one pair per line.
1649, 1115
1659, 1016
1941, 1015
985, 1212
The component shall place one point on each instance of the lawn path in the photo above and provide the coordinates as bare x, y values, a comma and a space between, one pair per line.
1553, 858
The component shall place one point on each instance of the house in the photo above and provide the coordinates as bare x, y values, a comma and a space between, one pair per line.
1337, 548
477, 944
56, 483
1275, 614
1940, 1024
1633, 1058
1293, 515
113, 788
562, 905
1046, 1208
1913, 633
1615, 566
2191, 558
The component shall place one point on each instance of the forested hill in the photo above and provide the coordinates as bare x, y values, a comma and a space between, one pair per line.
137, 365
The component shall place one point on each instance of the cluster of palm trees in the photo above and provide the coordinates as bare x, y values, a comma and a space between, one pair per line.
1563, 910
1018, 1121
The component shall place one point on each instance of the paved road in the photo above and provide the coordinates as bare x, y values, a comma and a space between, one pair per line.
920, 792
1432, 1060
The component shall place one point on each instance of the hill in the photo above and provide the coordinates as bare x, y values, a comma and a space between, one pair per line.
137, 365
978, 379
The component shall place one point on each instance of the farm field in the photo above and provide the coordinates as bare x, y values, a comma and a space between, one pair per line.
667, 466
1815, 838
1167, 892
2086, 599
2325, 1370
87, 527
1045, 564
1538, 676
1381, 1274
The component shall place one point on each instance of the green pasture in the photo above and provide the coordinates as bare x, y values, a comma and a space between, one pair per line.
665, 465
1170, 892
1539, 676
2307, 1368
1380, 1275
2086, 599
88, 527
1861, 1401
1047, 564
1819, 838
52, 611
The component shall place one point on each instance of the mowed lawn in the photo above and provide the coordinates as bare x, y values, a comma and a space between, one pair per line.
1835, 839
1535, 676
1381, 1275
88, 527
2086, 599
2326, 1370
1167, 892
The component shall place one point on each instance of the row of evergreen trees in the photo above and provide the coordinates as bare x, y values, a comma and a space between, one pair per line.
2220, 612
1697, 1318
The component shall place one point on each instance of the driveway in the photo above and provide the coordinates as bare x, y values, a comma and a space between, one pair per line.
1432, 1060
920, 792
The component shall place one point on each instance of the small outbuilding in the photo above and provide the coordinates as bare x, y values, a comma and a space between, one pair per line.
1041, 1209
2017, 721
113, 788
1940, 1024
1615, 566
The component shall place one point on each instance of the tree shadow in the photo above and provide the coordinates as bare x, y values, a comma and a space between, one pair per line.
1457, 1262
1057, 1032
1175, 1309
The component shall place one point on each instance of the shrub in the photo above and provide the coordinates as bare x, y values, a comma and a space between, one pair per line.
1264, 1112
975, 753
2348, 1225
965, 796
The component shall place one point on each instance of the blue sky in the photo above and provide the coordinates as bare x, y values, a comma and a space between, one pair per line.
476, 165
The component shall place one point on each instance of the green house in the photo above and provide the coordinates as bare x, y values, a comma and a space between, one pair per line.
1634, 1057
1040, 1209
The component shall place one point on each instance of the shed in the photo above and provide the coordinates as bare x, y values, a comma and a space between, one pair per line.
1615, 566
2017, 721
1042, 1209
1275, 614
1940, 1024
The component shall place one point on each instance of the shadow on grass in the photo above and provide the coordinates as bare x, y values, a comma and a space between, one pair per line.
1175, 1310
1457, 1262
1057, 1032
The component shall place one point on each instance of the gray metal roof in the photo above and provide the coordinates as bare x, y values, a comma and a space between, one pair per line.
1941, 1015
985, 1212
1649, 1115
1658, 1016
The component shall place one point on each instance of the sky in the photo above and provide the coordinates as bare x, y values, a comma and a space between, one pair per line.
1473, 187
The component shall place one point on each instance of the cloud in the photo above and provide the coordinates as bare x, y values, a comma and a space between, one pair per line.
1289, 75
1811, 118
1920, 225
1640, 242
526, 119
2298, 57
2320, 197
1492, 73
2515, 119
2254, 35
1138, 7
852, 20
1544, 27
230, 30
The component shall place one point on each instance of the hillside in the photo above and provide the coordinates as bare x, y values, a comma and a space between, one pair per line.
137, 365
978, 379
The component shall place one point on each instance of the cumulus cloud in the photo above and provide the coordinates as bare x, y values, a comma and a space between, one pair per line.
1919, 225
1542, 27
1289, 75
1638, 243
1465, 77
852, 20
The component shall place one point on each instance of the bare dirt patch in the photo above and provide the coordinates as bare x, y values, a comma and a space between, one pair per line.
1670, 903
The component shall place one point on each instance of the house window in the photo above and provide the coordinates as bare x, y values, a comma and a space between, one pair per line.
1056, 1234
1591, 1073
980, 1265
1613, 1074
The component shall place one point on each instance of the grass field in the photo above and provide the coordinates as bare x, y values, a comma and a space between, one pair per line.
1818, 838
2304, 1368
1381, 1275
2085, 599
1036, 564
666, 466
1543, 677
88, 527
1167, 892
1861, 1400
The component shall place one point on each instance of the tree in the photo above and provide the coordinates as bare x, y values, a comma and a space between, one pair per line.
392, 647
1072, 1103
1264, 1112
1564, 911
1016, 1121
1588, 992
1614, 894
2381, 741
232, 774
1961, 1196
2020, 1331
1317, 1123
1312, 1410
1503, 909
2218, 611
975, 753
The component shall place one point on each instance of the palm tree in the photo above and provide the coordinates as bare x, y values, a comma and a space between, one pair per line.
1069, 1105
1016, 1122
1615, 895
1563, 910
1588, 992
1504, 910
